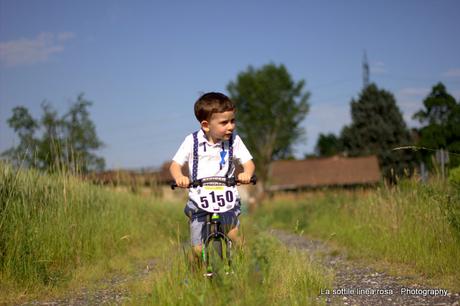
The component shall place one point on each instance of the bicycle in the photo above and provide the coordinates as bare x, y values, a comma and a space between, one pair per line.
215, 195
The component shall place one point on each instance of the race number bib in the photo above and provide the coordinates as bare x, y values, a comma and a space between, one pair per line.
215, 198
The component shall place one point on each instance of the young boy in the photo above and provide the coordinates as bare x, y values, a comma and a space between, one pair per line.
216, 142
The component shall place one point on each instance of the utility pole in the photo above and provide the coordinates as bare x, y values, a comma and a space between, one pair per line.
442, 157
365, 71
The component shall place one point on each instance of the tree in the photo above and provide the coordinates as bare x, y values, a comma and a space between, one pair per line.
441, 119
49, 152
270, 108
377, 128
327, 145
25, 126
80, 133
67, 141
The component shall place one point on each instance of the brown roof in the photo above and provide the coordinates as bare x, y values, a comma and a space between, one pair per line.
291, 174
286, 174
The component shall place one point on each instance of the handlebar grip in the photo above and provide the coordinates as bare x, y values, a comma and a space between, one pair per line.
253, 180
174, 186
192, 184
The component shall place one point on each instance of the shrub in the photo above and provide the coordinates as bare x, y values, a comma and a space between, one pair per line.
454, 177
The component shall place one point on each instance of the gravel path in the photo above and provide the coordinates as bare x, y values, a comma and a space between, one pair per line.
355, 284
108, 291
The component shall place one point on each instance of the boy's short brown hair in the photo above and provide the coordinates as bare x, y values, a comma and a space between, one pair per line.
210, 103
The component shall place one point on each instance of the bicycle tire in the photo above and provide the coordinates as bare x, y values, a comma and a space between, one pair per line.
214, 256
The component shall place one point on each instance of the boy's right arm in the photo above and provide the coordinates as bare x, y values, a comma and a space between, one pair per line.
176, 172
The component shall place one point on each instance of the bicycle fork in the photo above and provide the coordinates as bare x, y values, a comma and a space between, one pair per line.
215, 237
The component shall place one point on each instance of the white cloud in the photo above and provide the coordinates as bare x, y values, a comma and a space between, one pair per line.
378, 68
452, 73
410, 101
63, 36
414, 91
325, 117
30, 51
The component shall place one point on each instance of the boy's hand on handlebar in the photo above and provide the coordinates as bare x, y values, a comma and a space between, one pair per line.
244, 178
183, 181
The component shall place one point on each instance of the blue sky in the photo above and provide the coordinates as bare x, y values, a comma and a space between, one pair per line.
144, 63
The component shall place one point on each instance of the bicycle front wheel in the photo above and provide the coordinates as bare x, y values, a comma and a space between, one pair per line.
214, 256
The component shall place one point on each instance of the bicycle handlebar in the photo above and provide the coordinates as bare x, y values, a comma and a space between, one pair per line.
230, 182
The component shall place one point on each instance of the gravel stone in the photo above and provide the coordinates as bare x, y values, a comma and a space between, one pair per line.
108, 290
362, 285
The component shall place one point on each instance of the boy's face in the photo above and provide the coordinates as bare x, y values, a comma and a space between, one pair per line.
220, 126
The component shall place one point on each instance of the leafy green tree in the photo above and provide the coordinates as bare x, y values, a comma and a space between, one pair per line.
377, 128
68, 141
80, 133
441, 119
49, 153
270, 108
26, 127
327, 145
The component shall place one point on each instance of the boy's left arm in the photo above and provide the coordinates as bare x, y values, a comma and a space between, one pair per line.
248, 172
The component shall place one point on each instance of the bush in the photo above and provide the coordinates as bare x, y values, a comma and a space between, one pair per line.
454, 177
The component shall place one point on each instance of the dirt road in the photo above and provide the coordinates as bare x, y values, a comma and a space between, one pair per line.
355, 284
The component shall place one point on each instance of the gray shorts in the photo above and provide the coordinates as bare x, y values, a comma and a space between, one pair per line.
228, 219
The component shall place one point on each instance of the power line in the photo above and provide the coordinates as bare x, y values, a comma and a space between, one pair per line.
417, 148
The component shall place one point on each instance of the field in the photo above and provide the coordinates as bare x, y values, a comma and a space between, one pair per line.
60, 234
413, 227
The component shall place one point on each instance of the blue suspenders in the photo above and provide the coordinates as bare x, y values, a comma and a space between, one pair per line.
230, 155
195, 156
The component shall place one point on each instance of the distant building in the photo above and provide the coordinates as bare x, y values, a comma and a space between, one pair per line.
124, 177
285, 174
322, 172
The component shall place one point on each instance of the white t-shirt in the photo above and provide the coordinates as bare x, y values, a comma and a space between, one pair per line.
210, 162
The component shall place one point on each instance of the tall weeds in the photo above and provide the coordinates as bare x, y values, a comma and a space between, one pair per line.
52, 224
264, 272
413, 224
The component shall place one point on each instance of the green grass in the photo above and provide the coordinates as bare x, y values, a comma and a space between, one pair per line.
59, 234
265, 273
52, 227
415, 225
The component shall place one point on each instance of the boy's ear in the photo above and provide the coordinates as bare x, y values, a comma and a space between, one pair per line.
205, 125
